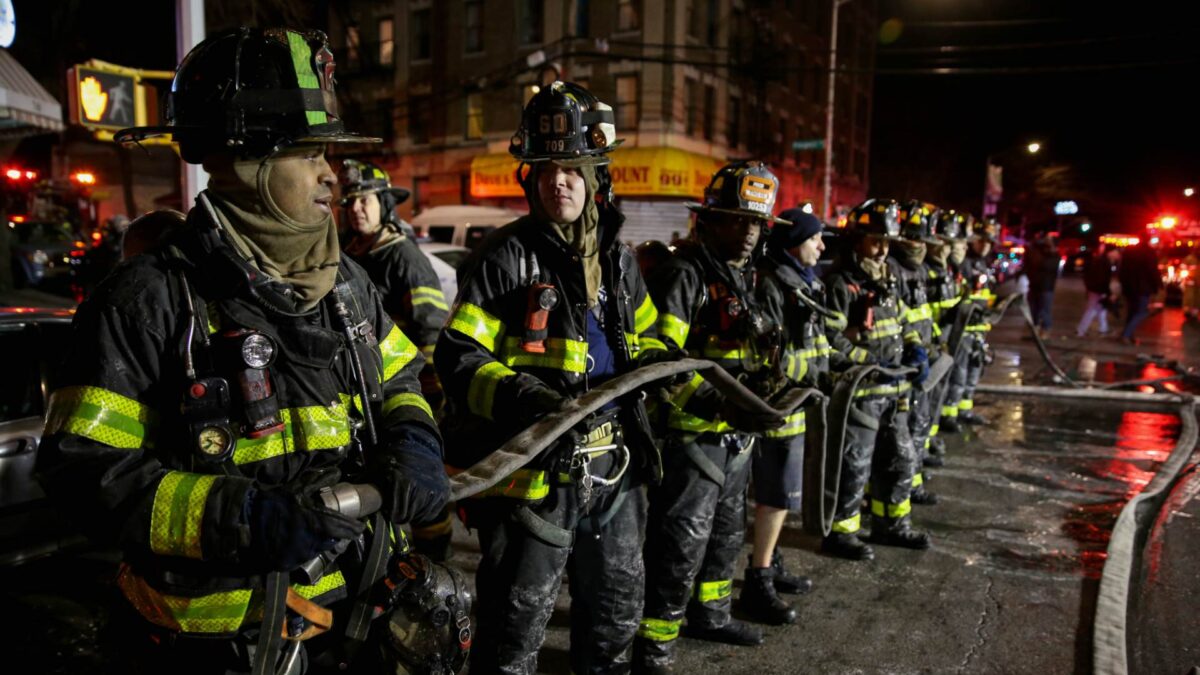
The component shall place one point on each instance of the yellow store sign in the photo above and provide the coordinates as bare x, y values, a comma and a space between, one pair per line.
636, 172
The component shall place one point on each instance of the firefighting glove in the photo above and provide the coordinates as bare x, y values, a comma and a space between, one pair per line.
412, 477
915, 356
534, 400
668, 355
749, 421
289, 525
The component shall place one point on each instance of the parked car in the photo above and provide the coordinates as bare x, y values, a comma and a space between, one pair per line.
445, 259
461, 225
32, 341
44, 254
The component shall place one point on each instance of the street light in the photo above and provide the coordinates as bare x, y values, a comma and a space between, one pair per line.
833, 36
1188, 192
1033, 147
992, 185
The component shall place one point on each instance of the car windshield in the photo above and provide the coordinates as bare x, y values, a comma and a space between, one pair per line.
452, 257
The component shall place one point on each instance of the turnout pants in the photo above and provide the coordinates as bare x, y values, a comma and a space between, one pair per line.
878, 448
968, 366
526, 548
698, 523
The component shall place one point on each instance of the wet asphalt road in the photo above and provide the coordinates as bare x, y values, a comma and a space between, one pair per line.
1020, 535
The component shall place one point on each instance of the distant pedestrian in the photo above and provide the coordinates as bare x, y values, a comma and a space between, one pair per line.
1041, 268
1139, 281
1097, 280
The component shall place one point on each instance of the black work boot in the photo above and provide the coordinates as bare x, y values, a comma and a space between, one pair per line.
897, 532
733, 633
937, 446
760, 600
951, 425
651, 657
786, 582
933, 460
846, 545
921, 495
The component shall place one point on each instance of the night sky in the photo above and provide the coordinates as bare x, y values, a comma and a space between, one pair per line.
1107, 91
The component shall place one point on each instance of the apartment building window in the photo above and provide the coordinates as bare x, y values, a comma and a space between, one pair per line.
712, 19
580, 18
627, 102
474, 105
421, 44
418, 119
693, 19
530, 29
691, 93
473, 22
733, 132
387, 128
710, 103
387, 42
353, 44
629, 15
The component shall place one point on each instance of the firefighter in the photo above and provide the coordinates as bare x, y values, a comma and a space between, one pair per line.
218, 382
793, 297
549, 307
412, 294
878, 446
944, 289
707, 304
908, 260
978, 282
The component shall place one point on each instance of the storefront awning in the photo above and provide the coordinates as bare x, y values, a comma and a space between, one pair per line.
636, 172
26, 108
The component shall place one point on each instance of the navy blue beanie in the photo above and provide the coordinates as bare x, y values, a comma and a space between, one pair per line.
804, 226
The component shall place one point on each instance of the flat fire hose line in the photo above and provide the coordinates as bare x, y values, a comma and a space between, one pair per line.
1110, 645
823, 472
528, 444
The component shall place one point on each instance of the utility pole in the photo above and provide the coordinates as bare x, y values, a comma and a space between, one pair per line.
833, 40
189, 32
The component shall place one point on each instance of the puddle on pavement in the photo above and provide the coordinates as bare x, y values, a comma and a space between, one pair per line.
1061, 472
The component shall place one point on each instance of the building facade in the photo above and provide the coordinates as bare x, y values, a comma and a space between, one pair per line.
694, 83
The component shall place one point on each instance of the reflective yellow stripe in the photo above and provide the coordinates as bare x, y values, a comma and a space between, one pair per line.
481, 392
213, 613
708, 591
304, 429
915, 314
950, 411
793, 425
859, 355
560, 354
406, 399
521, 484
221, 612
918, 480
474, 322
673, 328
397, 351
933, 430
645, 316
837, 322
639, 344
177, 513
426, 295
900, 510
848, 526
99, 415
688, 422
979, 328
884, 389
427, 352
885, 328
658, 630
966, 404
330, 582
